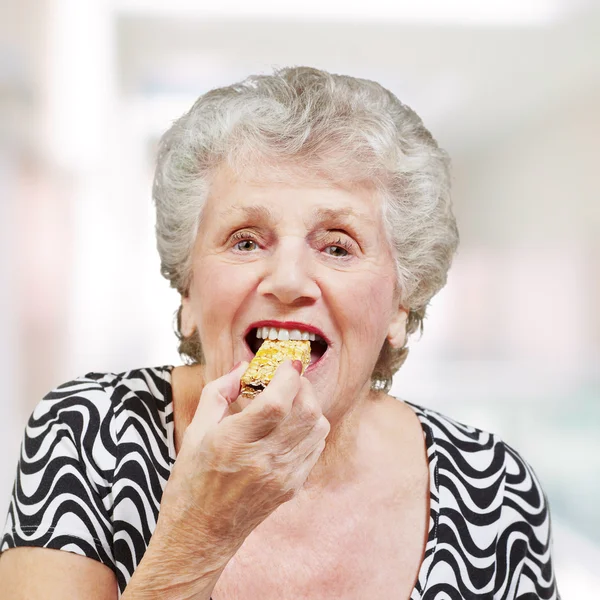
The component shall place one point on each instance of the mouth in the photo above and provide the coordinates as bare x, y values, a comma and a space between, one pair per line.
318, 347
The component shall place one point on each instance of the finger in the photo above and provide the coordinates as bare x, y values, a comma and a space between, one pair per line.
317, 435
272, 405
305, 413
308, 465
216, 397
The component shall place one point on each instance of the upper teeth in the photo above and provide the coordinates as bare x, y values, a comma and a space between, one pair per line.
285, 334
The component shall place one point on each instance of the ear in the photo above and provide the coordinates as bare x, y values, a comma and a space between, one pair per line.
397, 328
187, 321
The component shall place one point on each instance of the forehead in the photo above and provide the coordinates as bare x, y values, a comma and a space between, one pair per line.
319, 214
308, 200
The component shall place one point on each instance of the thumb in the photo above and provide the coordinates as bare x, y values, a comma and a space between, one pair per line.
216, 397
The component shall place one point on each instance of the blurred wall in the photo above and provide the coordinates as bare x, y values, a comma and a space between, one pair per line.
518, 349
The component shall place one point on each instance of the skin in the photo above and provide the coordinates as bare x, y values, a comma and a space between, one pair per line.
44, 574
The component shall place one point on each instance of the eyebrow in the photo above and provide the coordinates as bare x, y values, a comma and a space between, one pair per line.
263, 213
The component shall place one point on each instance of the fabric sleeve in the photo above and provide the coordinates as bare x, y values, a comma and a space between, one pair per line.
61, 496
524, 559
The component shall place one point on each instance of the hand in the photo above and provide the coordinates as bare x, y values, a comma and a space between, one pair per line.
234, 470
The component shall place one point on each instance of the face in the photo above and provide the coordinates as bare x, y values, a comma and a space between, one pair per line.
293, 251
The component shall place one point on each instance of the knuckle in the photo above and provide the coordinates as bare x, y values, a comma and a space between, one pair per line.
210, 441
283, 464
323, 425
221, 448
310, 412
212, 444
274, 409
281, 480
262, 466
210, 389
277, 480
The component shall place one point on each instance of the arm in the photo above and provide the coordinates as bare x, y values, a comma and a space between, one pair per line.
168, 572
228, 477
49, 557
57, 503
45, 574
526, 539
536, 578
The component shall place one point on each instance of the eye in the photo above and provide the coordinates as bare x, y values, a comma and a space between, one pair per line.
244, 237
343, 245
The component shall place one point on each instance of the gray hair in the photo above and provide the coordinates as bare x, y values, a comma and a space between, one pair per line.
342, 129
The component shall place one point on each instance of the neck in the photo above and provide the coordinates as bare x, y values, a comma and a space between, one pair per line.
342, 462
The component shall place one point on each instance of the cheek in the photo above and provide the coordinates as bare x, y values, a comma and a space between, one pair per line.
219, 291
371, 311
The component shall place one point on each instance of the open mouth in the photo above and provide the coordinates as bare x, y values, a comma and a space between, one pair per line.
317, 347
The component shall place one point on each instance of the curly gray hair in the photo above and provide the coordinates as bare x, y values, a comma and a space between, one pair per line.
341, 128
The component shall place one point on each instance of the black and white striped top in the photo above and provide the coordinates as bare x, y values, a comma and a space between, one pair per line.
98, 451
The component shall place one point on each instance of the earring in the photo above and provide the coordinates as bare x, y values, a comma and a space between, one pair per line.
381, 385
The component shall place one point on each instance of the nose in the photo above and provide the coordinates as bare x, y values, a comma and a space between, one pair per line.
289, 272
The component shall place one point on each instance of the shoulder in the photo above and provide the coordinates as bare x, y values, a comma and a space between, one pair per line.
478, 464
104, 392
489, 515
455, 440
86, 415
81, 438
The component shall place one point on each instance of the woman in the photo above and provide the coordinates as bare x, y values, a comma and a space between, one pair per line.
290, 204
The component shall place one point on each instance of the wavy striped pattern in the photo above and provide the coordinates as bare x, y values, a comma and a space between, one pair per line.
491, 535
98, 451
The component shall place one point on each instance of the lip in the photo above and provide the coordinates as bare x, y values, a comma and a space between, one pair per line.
310, 368
315, 365
288, 325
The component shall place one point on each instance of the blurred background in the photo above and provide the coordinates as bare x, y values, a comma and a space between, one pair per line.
511, 88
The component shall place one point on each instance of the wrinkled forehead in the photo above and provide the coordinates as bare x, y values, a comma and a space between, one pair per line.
265, 194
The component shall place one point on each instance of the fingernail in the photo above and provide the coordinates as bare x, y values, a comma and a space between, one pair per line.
298, 366
235, 367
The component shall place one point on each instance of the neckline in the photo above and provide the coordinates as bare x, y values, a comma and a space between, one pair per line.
432, 464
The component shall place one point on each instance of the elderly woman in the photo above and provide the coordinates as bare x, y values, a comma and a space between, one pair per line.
304, 206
